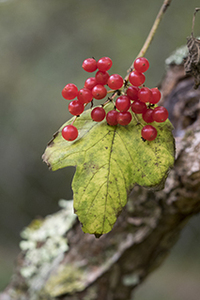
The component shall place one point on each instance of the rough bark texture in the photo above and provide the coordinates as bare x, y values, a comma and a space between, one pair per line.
114, 265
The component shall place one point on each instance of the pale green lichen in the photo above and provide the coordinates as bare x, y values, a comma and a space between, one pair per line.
44, 244
67, 279
178, 56
131, 279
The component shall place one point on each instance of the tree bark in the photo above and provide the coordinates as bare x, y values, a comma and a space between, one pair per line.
112, 266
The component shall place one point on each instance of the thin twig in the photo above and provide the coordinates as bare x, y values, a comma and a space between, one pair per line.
152, 32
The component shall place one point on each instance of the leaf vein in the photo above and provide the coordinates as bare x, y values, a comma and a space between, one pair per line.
92, 201
122, 176
109, 159
126, 148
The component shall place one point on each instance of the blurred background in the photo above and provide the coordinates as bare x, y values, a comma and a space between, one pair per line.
42, 47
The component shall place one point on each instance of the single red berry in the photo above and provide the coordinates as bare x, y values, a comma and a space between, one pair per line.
156, 95
98, 114
85, 95
138, 107
160, 114
102, 77
99, 91
111, 117
115, 81
145, 94
69, 132
136, 78
76, 107
147, 115
89, 65
123, 103
90, 83
149, 133
141, 64
104, 64
124, 118
70, 91
132, 92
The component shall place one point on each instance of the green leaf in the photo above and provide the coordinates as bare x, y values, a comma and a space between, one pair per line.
109, 161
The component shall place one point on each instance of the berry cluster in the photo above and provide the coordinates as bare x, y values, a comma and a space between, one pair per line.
131, 95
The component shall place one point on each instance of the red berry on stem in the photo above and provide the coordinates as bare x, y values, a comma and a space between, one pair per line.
99, 91
76, 107
90, 83
147, 116
69, 132
149, 133
111, 117
141, 64
104, 63
132, 92
102, 77
145, 94
136, 78
123, 103
70, 91
124, 118
156, 95
115, 81
160, 114
138, 107
98, 114
85, 95
89, 65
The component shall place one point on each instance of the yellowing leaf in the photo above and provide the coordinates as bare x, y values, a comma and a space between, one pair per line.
109, 161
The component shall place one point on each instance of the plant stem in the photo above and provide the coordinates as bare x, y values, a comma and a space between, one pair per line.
152, 32
73, 120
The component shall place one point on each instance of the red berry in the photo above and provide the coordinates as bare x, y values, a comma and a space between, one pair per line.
69, 132
102, 77
136, 78
85, 95
99, 91
141, 64
124, 118
145, 94
132, 92
115, 81
98, 114
70, 91
123, 103
111, 117
76, 107
104, 64
160, 114
156, 95
138, 107
147, 116
149, 133
89, 65
90, 83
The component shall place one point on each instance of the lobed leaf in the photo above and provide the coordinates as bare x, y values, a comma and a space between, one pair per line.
109, 161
